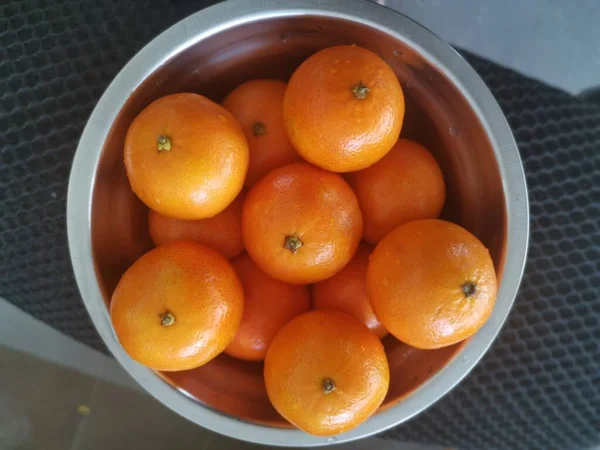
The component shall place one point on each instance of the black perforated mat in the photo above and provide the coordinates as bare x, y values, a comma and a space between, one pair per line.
539, 385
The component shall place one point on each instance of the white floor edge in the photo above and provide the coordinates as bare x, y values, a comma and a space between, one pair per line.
20, 331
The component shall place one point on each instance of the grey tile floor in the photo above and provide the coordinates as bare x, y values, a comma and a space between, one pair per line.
57, 394
50, 407
46, 406
38, 407
555, 41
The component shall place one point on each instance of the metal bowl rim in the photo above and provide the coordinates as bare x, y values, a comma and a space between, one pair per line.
230, 14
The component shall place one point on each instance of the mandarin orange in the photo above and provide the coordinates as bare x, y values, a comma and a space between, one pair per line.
406, 184
301, 224
326, 373
186, 156
177, 307
258, 106
222, 232
431, 283
346, 291
343, 108
268, 305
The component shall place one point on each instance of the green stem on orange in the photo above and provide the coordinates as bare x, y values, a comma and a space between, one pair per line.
360, 91
469, 289
167, 319
328, 386
259, 129
292, 243
164, 143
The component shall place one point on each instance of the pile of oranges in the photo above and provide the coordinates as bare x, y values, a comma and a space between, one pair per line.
293, 226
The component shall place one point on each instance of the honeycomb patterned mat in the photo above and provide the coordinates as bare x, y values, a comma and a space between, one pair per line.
539, 385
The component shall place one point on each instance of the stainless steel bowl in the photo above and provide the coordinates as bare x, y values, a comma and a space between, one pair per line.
449, 109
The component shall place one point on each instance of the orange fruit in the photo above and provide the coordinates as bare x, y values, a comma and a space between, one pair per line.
406, 184
346, 291
326, 373
343, 108
177, 307
222, 232
186, 156
258, 106
268, 305
301, 224
431, 283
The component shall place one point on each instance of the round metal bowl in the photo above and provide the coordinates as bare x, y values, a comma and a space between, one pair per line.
449, 109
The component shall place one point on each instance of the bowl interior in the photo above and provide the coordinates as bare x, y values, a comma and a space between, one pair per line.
437, 115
